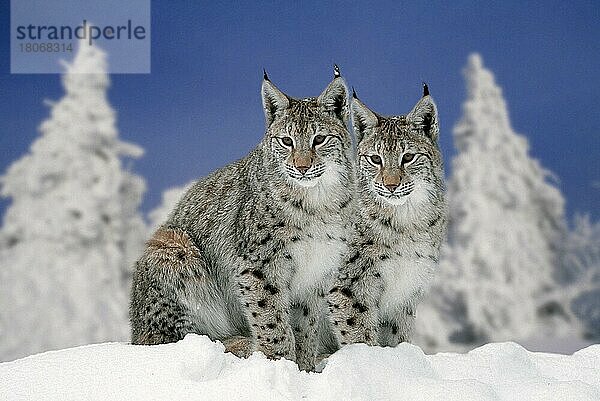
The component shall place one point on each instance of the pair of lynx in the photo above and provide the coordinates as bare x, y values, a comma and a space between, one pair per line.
301, 247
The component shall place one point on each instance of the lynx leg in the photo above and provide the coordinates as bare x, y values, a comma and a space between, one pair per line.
267, 308
353, 320
328, 342
393, 331
353, 308
305, 323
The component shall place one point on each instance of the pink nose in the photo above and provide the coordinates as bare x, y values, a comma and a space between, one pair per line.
391, 187
302, 169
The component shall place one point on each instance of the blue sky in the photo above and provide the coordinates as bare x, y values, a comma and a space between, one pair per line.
200, 107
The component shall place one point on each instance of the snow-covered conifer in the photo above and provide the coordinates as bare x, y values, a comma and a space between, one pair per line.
506, 226
73, 228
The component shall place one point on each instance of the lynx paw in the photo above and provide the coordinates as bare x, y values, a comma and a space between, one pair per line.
321, 362
239, 346
278, 347
306, 361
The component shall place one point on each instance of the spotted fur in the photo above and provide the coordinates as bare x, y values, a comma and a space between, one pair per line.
249, 252
400, 227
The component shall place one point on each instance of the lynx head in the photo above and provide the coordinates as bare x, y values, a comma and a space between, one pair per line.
398, 156
307, 138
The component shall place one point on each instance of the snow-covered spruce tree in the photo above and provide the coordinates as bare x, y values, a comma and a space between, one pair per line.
582, 268
73, 228
506, 225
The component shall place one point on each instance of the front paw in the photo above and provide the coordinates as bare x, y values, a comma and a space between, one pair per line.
361, 335
370, 338
277, 346
239, 346
321, 362
306, 361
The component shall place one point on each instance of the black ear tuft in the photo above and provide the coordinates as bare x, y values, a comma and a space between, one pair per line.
354, 96
425, 89
336, 71
265, 76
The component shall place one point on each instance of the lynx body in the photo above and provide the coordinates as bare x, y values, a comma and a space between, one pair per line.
250, 251
399, 229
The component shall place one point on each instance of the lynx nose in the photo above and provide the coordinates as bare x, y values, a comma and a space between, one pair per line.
391, 180
391, 187
302, 169
302, 162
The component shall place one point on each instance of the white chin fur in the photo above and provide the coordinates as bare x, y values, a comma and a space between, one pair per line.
307, 183
396, 201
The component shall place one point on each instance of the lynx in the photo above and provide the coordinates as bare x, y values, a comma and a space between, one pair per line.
400, 227
249, 252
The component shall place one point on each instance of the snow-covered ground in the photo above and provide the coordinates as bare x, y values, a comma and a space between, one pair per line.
198, 369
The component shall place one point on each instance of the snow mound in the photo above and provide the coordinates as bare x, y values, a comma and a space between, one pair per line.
197, 368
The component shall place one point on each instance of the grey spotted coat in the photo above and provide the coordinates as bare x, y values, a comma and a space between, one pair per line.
250, 251
399, 229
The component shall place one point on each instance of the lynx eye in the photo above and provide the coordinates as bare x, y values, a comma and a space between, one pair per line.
318, 140
287, 141
375, 159
408, 157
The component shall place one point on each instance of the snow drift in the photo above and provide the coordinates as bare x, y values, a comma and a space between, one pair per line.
197, 368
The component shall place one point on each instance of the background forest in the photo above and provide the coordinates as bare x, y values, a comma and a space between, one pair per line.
513, 268
91, 164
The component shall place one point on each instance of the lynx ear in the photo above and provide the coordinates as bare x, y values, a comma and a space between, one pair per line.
334, 98
424, 115
274, 101
363, 119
